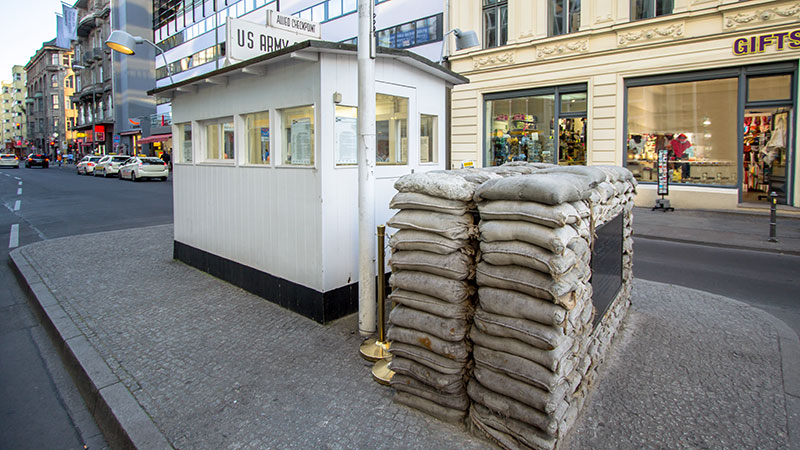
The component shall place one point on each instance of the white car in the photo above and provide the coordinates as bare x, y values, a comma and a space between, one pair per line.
86, 165
139, 167
109, 165
9, 160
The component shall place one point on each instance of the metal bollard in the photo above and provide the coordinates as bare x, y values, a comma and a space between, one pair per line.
378, 349
773, 217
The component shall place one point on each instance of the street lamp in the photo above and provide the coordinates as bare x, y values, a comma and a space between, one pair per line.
124, 43
464, 39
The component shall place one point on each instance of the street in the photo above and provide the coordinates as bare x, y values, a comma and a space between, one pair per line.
41, 407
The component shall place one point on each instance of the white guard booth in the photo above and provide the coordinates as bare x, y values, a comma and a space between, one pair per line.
265, 177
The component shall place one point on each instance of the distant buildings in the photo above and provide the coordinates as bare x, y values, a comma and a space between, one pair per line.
14, 122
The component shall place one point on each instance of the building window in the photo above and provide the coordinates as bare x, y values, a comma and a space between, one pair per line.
565, 16
645, 9
53, 81
184, 142
495, 23
298, 136
54, 58
693, 122
346, 132
257, 138
65, 60
545, 125
428, 138
54, 98
391, 129
220, 141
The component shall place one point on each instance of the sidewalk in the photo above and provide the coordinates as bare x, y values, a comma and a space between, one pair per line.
170, 357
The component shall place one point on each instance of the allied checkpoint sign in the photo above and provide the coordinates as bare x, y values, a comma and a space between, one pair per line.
246, 40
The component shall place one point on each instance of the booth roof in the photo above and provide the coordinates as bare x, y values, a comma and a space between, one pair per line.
302, 49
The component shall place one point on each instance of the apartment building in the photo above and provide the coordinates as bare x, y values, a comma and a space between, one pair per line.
711, 85
14, 123
50, 84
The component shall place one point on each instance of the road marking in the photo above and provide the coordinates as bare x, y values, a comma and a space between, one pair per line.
19, 191
18, 178
13, 239
17, 204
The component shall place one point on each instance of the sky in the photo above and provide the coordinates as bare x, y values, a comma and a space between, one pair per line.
24, 26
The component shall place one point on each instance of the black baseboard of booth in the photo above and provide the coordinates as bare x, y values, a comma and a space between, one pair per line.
322, 307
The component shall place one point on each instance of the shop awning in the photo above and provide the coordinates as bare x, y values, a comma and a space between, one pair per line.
130, 133
155, 138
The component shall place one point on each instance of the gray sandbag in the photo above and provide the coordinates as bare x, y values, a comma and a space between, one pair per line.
553, 239
456, 265
449, 226
529, 281
558, 360
581, 249
616, 173
427, 358
507, 170
459, 401
441, 184
454, 350
582, 209
416, 200
546, 337
583, 229
474, 175
431, 305
508, 407
430, 408
516, 304
550, 189
552, 403
427, 283
509, 433
622, 188
448, 329
429, 242
553, 216
594, 174
517, 367
518, 253
451, 384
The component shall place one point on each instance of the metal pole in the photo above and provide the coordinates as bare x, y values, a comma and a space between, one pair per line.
381, 284
773, 216
366, 168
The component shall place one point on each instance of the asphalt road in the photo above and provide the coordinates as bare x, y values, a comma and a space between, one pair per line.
39, 404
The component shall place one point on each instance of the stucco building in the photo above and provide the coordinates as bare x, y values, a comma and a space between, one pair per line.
14, 123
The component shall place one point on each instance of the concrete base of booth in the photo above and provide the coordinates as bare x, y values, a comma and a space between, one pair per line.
322, 307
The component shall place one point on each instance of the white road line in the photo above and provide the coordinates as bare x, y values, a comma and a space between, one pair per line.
17, 204
13, 239
18, 178
19, 191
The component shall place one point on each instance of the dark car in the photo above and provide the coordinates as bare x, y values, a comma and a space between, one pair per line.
37, 160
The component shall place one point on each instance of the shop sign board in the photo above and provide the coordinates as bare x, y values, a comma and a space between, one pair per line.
663, 173
294, 24
247, 40
759, 44
116, 139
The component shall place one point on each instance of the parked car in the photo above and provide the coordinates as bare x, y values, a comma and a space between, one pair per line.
86, 165
109, 165
37, 159
9, 160
139, 167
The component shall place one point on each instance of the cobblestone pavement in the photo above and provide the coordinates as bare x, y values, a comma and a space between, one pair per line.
216, 367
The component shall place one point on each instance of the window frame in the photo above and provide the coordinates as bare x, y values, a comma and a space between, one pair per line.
654, 5
246, 133
566, 18
495, 8
281, 115
219, 123
434, 139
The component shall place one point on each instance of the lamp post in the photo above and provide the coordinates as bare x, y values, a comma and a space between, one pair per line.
125, 42
464, 39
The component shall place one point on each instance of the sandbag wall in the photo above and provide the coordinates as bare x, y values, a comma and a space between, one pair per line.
534, 349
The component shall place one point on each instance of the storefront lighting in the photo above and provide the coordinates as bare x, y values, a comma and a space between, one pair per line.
124, 43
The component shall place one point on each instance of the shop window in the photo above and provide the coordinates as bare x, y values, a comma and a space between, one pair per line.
573, 103
298, 136
257, 138
776, 87
391, 129
565, 16
694, 122
645, 9
184, 142
520, 129
428, 138
220, 141
346, 135
495, 23
572, 141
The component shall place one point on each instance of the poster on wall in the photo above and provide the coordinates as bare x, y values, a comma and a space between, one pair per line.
346, 140
663, 173
301, 141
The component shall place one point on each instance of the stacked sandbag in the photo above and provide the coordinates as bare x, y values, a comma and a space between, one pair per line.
433, 271
534, 306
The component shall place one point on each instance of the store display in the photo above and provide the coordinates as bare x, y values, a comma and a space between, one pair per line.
688, 162
764, 161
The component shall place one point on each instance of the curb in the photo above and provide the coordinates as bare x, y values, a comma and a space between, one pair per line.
124, 423
715, 244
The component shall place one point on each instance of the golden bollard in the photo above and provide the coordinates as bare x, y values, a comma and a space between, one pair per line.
378, 349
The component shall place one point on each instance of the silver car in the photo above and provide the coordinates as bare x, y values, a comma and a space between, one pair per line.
9, 160
109, 165
139, 167
86, 165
